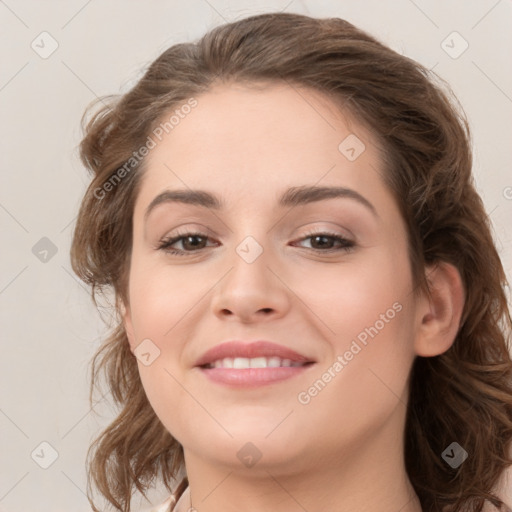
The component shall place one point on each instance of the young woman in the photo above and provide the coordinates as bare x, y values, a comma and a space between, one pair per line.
311, 306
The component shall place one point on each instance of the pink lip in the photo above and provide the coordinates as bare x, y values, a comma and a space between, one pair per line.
251, 377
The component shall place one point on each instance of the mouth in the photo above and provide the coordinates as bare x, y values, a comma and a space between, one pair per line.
241, 365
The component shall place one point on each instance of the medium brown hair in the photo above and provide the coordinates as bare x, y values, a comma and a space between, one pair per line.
462, 395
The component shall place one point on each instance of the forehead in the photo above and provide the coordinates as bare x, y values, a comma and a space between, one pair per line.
253, 141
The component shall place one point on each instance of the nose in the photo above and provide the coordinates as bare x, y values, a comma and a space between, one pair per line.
251, 292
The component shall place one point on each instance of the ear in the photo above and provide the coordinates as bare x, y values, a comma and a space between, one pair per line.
127, 322
438, 315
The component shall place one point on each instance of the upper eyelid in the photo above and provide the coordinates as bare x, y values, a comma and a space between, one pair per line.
206, 233
190, 228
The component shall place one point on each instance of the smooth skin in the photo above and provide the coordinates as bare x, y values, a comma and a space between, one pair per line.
343, 450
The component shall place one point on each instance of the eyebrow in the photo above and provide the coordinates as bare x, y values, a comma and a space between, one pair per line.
294, 196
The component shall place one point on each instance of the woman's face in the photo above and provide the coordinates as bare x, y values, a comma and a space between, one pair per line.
263, 268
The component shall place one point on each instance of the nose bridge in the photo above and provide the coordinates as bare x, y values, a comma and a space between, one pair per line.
250, 286
249, 264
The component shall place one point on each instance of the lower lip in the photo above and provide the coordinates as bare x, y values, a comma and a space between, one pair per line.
252, 377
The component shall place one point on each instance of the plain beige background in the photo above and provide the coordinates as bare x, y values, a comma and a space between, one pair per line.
49, 326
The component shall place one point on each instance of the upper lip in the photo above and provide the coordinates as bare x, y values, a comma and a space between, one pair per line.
249, 350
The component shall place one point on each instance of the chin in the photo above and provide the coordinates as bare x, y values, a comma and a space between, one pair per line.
251, 448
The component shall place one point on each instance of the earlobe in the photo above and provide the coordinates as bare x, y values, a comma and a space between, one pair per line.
438, 315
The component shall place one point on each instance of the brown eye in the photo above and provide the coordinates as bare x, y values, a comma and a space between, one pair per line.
322, 242
328, 242
191, 242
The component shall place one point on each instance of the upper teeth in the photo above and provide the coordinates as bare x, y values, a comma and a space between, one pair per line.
254, 362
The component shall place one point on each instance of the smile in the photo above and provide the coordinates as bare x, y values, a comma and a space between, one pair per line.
240, 363
242, 372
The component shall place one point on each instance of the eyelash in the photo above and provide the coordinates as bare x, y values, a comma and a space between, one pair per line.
165, 243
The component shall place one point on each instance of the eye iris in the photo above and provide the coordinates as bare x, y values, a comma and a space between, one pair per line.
187, 239
323, 238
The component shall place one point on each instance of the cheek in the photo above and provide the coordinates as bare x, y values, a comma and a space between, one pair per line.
160, 297
166, 302
370, 308
366, 314
159, 303
350, 297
